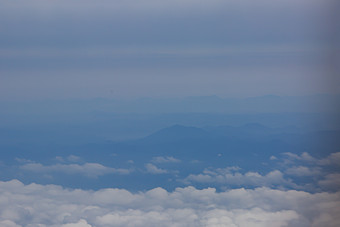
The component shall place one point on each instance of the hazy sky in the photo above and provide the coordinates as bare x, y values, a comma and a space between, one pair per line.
127, 49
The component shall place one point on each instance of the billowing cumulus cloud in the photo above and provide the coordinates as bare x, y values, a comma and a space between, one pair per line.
87, 169
38, 205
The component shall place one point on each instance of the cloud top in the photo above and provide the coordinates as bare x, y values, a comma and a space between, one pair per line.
50, 205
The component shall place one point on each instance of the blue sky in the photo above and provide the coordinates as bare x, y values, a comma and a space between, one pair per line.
169, 113
130, 49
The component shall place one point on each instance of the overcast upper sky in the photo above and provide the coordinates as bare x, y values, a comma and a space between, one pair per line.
129, 49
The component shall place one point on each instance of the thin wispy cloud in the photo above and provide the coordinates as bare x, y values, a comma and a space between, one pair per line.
151, 168
167, 159
87, 169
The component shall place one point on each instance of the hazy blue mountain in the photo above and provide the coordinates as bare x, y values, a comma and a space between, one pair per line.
183, 144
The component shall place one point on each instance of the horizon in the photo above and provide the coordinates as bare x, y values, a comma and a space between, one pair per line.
169, 113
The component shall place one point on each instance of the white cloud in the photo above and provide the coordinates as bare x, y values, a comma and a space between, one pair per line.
303, 171
8, 223
323, 172
167, 159
331, 181
273, 157
230, 176
80, 223
23, 160
70, 158
151, 168
73, 158
303, 157
50, 205
229, 169
332, 159
87, 169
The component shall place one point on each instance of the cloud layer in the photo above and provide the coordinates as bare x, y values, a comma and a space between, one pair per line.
50, 205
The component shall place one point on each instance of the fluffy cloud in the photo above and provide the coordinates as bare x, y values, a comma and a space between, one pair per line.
38, 205
87, 169
80, 223
151, 168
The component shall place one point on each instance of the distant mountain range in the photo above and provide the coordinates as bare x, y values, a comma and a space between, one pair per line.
231, 144
250, 146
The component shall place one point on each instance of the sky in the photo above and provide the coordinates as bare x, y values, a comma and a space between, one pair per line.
131, 49
169, 113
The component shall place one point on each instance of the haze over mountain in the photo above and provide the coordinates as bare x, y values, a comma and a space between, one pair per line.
169, 113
